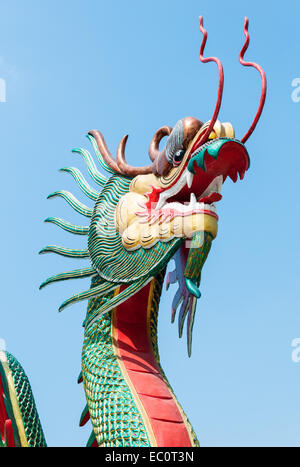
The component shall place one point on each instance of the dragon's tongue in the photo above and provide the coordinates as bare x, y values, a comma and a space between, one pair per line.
212, 198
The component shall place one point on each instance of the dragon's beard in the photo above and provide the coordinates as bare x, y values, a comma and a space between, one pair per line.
141, 227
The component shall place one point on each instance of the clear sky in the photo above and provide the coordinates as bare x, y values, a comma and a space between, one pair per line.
130, 67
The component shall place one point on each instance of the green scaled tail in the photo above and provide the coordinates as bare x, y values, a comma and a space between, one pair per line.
19, 404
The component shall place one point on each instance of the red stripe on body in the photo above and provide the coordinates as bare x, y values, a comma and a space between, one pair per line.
135, 350
5, 422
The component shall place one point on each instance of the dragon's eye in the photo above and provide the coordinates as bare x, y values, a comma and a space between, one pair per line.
177, 158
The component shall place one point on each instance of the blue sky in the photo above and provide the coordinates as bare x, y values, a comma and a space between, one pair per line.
130, 67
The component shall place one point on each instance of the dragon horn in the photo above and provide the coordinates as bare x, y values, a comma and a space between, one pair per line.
154, 151
124, 167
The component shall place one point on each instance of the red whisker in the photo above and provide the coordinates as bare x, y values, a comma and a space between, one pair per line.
220, 90
263, 79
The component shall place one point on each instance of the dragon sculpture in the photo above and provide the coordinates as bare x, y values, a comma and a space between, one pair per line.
142, 218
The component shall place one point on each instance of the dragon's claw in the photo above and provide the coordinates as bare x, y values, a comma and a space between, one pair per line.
186, 297
171, 278
182, 314
178, 297
192, 287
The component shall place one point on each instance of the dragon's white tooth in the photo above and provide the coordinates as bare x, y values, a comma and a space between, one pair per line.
193, 201
220, 183
189, 178
161, 203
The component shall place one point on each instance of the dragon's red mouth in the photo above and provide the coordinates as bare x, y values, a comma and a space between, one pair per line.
156, 210
232, 161
198, 188
212, 198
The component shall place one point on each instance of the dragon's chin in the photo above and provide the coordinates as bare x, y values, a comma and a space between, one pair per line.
143, 228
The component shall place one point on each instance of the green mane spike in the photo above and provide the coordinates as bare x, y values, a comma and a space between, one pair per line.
104, 287
60, 250
75, 229
96, 176
73, 202
81, 181
76, 274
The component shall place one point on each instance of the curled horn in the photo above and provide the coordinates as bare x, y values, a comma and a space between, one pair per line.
154, 151
104, 150
220, 89
124, 167
119, 165
263, 79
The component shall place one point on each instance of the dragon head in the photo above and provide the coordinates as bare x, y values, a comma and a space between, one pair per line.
179, 197
144, 216
171, 200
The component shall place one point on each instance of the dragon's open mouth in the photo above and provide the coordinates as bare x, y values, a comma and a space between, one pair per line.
198, 189
152, 212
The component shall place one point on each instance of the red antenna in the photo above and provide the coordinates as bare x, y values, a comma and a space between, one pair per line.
263, 79
220, 90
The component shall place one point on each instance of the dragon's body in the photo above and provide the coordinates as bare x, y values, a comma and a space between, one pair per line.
124, 381
142, 218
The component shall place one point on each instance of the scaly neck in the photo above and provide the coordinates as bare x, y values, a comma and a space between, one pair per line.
129, 398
